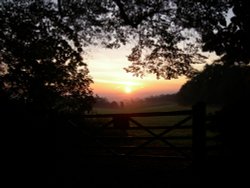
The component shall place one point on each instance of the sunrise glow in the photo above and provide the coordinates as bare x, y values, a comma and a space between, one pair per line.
127, 89
111, 80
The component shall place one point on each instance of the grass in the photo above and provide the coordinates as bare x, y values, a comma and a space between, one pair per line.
148, 121
156, 121
153, 108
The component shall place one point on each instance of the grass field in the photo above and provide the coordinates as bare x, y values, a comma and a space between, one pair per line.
148, 121
166, 121
152, 108
151, 121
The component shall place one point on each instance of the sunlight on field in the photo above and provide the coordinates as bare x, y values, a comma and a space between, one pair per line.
153, 108
175, 130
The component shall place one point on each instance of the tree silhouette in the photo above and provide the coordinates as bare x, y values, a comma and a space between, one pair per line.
208, 19
219, 85
168, 35
172, 33
165, 41
42, 42
229, 39
41, 58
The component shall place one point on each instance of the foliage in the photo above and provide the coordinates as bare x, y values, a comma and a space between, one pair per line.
229, 39
169, 25
42, 58
219, 85
164, 44
42, 41
164, 47
168, 35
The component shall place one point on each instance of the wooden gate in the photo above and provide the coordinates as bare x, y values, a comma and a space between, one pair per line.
128, 135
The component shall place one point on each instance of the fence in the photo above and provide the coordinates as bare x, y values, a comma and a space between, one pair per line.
116, 136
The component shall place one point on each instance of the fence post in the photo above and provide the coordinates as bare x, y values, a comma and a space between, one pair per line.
122, 123
199, 136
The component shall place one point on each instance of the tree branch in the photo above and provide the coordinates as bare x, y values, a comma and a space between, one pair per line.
136, 21
123, 14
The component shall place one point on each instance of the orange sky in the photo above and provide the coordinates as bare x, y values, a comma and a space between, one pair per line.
112, 81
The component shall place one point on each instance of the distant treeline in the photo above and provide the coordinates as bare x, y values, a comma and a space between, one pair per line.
148, 101
217, 85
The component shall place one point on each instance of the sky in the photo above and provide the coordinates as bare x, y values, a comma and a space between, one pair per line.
114, 83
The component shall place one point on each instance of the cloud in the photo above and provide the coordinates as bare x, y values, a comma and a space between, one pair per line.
129, 83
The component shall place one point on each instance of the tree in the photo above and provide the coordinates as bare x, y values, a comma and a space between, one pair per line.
169, 36
229, 39
163, 33
165, 44
218, 84
41, 58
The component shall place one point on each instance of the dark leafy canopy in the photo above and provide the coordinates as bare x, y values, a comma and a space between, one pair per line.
41, 57
218, 85
163, 44
230, 40
166, 32
168, 35
42, 41
164, 48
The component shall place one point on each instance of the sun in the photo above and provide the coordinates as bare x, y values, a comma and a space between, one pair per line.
127, 89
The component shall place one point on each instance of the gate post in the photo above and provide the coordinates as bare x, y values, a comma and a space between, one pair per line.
122, 123
199, 136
